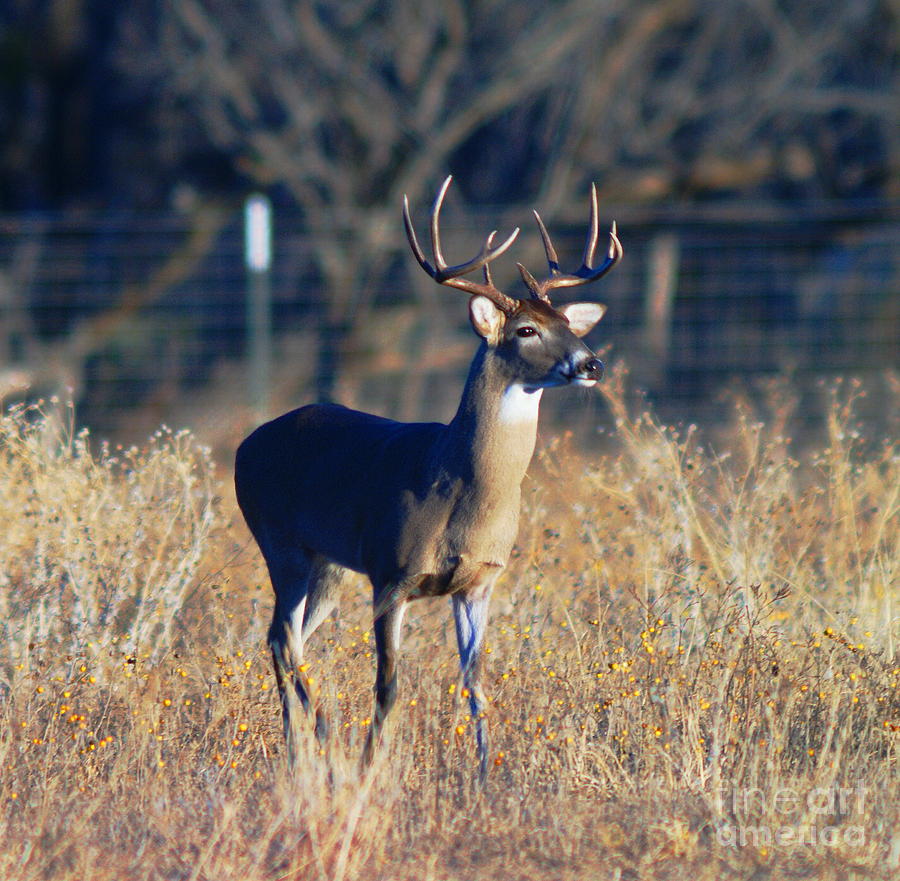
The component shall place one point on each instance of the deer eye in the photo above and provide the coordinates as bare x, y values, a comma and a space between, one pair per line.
526, 331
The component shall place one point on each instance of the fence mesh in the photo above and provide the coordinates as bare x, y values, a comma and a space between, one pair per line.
144, 316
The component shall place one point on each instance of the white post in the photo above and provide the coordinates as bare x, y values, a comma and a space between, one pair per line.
258, 260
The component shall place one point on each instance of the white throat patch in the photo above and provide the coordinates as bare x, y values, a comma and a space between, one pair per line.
519, 405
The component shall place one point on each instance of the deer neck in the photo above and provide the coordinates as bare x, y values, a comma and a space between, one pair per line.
491, 439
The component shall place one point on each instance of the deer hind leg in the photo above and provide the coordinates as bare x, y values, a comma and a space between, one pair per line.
305, 586
322, 596
470, 614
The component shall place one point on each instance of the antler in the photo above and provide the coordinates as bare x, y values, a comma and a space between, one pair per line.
450, 275
588, 272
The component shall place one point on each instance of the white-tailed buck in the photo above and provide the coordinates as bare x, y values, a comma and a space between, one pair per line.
422, 509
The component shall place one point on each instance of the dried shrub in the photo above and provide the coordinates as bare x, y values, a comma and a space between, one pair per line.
101, 547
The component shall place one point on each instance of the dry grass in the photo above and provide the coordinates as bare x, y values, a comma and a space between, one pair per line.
693, 670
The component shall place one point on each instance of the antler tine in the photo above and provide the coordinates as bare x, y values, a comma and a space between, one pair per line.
418, 253
587, 272
537, 289
450, 275
435, 225
487, 266
482, 259
590, 246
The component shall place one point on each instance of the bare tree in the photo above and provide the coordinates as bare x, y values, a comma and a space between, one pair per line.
348, 105
343, 106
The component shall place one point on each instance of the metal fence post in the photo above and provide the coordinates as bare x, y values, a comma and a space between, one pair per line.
663, 260
258, 260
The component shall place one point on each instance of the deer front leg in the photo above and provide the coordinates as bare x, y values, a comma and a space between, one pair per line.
387, 645
470, 614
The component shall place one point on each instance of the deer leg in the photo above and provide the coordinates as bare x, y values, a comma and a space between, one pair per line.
470, 614
289, 689
290, 574
322, 595
387, 644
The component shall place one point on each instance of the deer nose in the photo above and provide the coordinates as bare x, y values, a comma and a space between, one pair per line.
592, 368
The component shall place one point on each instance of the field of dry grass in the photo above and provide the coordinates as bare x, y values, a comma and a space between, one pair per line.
693, 669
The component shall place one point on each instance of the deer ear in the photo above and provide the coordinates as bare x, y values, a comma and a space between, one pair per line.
583, 316
487, 318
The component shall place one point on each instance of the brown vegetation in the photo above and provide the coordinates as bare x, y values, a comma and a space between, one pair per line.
693, 673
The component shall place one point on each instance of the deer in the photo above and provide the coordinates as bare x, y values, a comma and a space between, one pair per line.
422, 509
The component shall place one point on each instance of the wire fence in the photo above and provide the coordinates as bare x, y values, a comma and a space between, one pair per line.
145, 317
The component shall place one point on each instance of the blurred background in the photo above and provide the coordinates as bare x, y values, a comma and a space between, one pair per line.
200, 199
